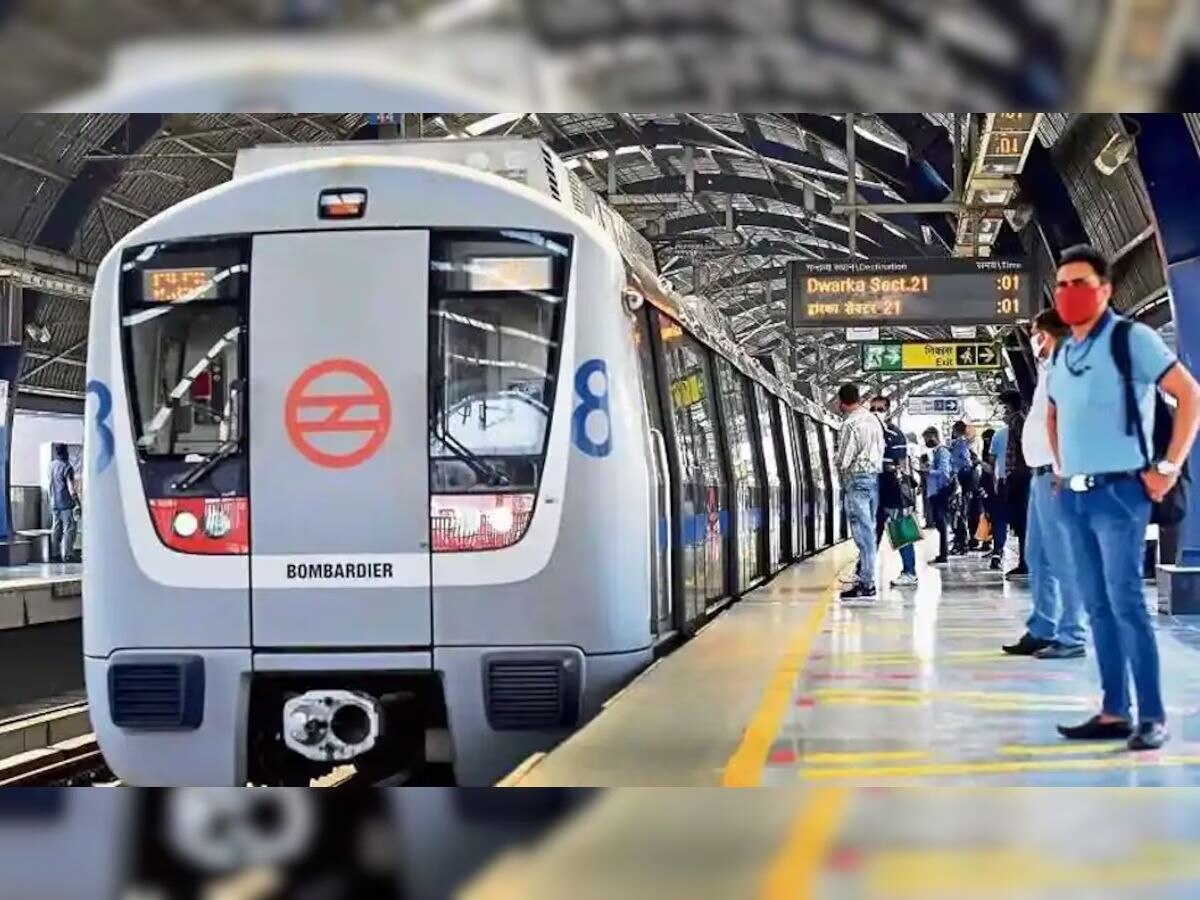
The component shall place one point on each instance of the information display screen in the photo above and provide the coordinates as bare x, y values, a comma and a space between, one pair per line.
173, 285
934, 291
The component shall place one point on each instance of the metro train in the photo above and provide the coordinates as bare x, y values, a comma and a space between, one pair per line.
401, 455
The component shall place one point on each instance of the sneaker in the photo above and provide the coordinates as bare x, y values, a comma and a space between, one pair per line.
1149, 736
906, 579
1018, 572
859, 592
1096, 730
994, 565
1057, 650
1026, 646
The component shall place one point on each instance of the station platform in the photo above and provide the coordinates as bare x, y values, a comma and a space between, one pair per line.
791, 687
37, 593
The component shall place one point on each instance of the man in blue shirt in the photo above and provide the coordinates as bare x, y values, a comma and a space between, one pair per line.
939, 488
62, 506
1109, 485
962, 460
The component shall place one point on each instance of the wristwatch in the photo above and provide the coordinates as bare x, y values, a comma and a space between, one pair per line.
1166, 467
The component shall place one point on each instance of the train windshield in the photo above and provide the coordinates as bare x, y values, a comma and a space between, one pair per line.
496, 316
184, 316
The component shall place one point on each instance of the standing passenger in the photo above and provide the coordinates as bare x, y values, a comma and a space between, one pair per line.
962, 459
939, 488
997, 457
62, 506
1056, 628
1101, 426
1016, 479
895, 488
860, 460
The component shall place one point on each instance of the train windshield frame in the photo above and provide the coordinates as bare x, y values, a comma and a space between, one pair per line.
184, 324
497, 309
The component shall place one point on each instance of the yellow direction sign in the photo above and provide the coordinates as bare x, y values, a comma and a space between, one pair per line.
914, 357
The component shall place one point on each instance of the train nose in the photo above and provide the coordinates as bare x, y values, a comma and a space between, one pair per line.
331, 725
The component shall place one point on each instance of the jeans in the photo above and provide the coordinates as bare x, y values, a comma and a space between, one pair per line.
998, 511
1106, 528
862, 501
62, 534
939, 508
1058, 613
1016, 495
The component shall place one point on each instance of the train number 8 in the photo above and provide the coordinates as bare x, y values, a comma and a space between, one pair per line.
591, 426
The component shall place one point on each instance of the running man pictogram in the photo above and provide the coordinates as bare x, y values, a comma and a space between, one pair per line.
363, 413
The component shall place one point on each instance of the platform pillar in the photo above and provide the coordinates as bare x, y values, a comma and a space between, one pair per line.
12, 552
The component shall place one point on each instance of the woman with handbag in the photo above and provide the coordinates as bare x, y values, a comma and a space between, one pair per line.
897, 500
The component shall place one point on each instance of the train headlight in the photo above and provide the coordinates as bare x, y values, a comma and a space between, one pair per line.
185, 524
217, 522
501, 519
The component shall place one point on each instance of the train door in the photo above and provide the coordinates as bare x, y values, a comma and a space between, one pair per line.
833, 496
662, 615
792, 507
808, 490
773, 479
815, 459
748, 500
702, 531
338, 495
841, 523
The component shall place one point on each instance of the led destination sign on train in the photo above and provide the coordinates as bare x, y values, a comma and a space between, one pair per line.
934, 291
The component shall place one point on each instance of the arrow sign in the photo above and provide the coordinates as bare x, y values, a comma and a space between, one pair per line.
987, 355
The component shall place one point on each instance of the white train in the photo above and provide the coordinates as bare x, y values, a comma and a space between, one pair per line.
400, 453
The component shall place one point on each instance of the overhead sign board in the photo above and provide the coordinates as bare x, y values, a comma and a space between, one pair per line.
935, 406
916, 357
921, 291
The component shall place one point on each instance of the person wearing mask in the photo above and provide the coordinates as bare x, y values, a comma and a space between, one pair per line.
939, 488
963, 461
1016, 478
1056, 628
63, 500
860, 460
1100, 424
997, 511
895, 487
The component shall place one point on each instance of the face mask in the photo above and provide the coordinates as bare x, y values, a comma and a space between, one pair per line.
930, 443
1038, 343
1077, 303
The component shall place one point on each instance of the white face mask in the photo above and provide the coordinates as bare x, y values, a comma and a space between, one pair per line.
1038, 343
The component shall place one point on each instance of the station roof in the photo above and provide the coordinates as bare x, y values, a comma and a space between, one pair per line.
74, 184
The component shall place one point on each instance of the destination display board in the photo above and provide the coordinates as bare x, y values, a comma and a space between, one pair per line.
920, 291
919, 357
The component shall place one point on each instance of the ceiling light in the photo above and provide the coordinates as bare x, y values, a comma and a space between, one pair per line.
38, 333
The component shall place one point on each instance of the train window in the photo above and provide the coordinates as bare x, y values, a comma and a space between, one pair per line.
496, 317
184, 313
733, 404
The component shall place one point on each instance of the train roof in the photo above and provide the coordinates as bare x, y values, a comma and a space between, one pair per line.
532, 163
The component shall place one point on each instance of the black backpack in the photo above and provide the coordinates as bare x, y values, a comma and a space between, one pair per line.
1173, 508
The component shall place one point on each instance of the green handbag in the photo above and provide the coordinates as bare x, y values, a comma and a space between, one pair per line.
903, 530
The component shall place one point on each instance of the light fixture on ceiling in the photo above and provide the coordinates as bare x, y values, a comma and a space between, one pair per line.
38, 333
1118, 150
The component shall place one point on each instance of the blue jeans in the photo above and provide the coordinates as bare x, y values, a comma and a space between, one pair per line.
998, 510
1058, 613
1106, 528
862, 501
62, 534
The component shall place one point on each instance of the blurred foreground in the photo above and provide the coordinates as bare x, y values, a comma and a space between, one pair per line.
552, 844
558, 55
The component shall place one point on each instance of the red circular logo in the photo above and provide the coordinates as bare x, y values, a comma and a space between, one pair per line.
343, 427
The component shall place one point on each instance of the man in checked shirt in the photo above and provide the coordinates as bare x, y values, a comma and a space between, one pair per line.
860, 461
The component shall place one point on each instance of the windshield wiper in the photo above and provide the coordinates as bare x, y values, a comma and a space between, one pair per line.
205, 466
491, 475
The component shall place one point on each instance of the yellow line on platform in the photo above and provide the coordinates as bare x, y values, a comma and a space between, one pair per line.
864, 756
744, 768
796, 867
1114, 761
958, 695
1075, 749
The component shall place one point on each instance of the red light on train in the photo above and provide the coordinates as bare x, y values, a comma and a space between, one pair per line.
202, 525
